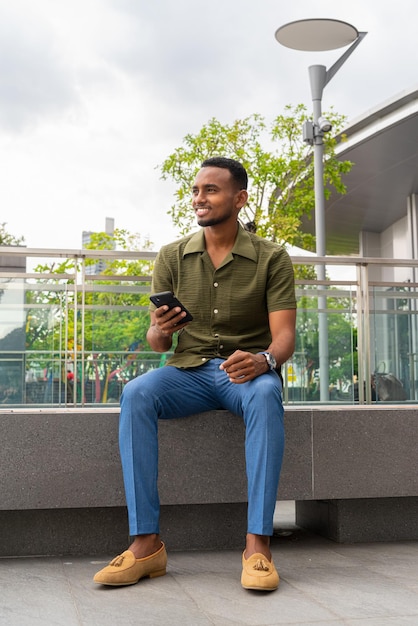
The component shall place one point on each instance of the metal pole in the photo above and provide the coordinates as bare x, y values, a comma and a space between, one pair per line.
320, 35
318, 77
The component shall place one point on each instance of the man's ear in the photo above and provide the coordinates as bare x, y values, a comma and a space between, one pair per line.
242, 198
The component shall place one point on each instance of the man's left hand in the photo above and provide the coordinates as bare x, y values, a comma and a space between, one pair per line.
244, 366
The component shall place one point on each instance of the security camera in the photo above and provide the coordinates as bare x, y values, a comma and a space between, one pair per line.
324, 125
308, 132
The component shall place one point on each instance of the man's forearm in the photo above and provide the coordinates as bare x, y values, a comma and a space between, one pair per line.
282, 347
157, 340
282, 326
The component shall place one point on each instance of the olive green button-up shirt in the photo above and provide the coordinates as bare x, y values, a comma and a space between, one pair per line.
229, 304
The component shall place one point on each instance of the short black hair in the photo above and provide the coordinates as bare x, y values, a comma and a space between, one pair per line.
236, 169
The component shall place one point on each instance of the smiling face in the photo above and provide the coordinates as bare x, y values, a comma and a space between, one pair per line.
216, 197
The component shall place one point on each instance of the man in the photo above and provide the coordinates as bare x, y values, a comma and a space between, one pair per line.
240, 291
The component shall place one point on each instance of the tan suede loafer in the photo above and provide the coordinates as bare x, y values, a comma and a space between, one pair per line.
259, 573
125, 569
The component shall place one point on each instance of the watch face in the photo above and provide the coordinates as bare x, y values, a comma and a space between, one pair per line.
270, 360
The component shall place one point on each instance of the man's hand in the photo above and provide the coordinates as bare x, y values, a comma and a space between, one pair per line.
168, 321
244, 366
164, 323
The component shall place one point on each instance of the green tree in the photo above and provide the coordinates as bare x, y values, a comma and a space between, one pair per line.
279, 166
108, 321
109, 324
342, 340
6, 239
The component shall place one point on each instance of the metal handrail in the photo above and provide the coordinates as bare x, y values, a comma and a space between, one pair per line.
78, 283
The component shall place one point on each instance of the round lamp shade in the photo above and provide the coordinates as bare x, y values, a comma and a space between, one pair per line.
316, 34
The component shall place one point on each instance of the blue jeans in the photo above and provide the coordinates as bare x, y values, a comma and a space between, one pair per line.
170, 392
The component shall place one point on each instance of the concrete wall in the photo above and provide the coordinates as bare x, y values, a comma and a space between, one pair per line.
61, 471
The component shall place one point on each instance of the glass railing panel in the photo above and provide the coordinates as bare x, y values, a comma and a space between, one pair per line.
71, 338
115, 316
338, 354
44, 379
106, 374
394, 325
12, 340
45, 382
114, 321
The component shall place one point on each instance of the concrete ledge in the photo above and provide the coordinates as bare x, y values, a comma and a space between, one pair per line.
54, 532
361, 520
104, 530
70, 459
61, 474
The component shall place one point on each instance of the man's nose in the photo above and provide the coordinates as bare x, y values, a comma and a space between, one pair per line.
199, 197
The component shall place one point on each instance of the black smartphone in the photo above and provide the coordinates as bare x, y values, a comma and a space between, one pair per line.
168, 298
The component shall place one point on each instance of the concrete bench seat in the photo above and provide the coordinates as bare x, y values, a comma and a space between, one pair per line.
351, 470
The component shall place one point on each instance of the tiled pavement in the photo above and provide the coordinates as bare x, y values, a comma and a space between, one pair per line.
322, 582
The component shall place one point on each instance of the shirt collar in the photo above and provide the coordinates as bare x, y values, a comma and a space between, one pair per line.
243, 245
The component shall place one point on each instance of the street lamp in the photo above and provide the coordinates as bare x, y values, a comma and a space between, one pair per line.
320, 35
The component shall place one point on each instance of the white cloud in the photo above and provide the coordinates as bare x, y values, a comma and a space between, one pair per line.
36, 83
96, 93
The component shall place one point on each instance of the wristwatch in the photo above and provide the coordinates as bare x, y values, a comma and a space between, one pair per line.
271, 361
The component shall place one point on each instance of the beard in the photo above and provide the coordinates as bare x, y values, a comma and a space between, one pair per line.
213, 221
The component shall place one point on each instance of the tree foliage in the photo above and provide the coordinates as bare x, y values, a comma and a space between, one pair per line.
6, 239
279, 166
102, 329
342, 341
115, 311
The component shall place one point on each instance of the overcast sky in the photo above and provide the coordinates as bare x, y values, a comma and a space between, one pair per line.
94, 94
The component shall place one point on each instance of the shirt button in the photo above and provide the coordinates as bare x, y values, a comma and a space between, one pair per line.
203, 358
215, 284
221, 346
215, 311
216, 335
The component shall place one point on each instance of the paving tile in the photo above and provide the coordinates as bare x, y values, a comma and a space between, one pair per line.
220, 596
35, 592
226, 602
322, 584
396, 560
385, 621
151, 601
355, 592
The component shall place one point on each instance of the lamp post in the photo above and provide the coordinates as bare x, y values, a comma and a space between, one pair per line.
320, 35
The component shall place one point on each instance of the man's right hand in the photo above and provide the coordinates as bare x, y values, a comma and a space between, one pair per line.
168, 321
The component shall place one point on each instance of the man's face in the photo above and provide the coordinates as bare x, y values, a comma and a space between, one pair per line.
216, 198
